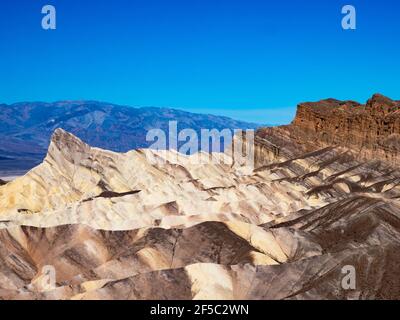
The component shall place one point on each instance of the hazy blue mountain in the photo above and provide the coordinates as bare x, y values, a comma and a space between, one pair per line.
26, 128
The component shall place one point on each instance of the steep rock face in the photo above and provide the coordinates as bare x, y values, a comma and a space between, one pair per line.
372, 130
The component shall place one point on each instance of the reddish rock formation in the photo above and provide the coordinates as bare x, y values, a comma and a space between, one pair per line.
372, 130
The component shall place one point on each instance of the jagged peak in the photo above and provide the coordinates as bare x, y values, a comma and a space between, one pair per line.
63, 138
380, 97
380, 103
67, 144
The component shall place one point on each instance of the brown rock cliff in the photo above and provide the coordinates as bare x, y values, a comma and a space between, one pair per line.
372, 130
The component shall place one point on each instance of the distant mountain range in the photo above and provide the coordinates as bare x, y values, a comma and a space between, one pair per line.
26, 128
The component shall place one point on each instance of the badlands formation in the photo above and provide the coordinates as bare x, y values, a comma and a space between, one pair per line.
324, 195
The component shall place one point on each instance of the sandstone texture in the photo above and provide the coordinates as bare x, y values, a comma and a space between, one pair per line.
146, 224
372, 130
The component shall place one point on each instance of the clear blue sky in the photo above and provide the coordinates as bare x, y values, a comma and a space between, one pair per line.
252, 60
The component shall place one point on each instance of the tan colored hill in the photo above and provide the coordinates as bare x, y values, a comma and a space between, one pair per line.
80, 184
139, 225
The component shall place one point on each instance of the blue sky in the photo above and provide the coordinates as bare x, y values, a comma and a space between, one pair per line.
251, 60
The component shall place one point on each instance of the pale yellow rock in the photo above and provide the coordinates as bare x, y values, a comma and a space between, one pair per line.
168, 189
221, 288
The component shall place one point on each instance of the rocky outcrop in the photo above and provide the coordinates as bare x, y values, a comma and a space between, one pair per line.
372, 130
